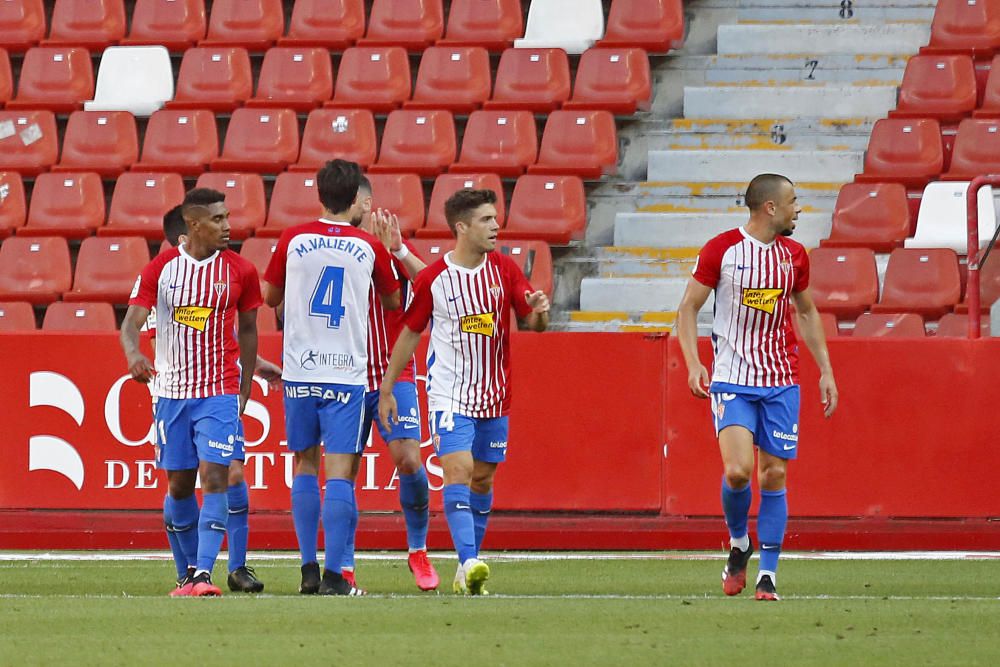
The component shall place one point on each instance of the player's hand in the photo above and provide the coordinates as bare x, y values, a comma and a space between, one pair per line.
386, 227
828, 393
698, 381
537, 300
388, 413
269, 371
243, 402
141, 368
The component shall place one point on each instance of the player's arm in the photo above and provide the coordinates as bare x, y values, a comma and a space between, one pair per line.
686, 331
387, 230
815, 340
402, 354
269, 371
247, 336
140, 368
273, 295
538, 318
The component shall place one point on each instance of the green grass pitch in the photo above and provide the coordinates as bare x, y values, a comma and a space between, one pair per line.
576, 611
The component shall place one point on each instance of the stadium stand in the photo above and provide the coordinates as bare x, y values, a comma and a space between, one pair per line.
36, 270
244, 199
91, 24
259, 250
70, 205
264, 140
299, 78
54, 78
403, 195
872, 215
534, 258
448, 184
17, 316
66, 316
921, 281
531, 79
422, 142
990, 106
965, 26
267, 320
347, 133
956, 325
13, 205
843, 281
22, 24
653, 25
105, 142
294, 200
491, 24
617, 80
411, 24
331, 24
456, 78
549, 208
217, 79
501, 142
571, 25
137, 79
975, 150
372, 78
6, 78
106, 268
885, 325
904, 151
138, 203
941, 87
942, 220
174, 24
583, 143
253, 24
184, 142
33, 145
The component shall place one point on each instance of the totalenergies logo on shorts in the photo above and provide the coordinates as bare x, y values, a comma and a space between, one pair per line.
482, 324
761, 299
195, 317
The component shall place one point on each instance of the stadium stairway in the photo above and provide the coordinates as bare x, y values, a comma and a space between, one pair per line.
786, 86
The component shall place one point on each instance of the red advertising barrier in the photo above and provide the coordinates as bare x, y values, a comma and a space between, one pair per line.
77, 430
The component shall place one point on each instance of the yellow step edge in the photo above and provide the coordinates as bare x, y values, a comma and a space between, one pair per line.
638, 328
666, 317
597, 316
655, 253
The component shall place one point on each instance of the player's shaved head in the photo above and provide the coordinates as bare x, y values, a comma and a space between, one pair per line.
365, 186
338, 182
174, 225
461, 205
764, 188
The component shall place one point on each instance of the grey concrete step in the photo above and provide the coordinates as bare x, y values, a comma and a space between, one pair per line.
804, 101
813, 4
650, 196
820, 39
635, 294
622, 262
742, 165
836, 13
686, 230
767, 135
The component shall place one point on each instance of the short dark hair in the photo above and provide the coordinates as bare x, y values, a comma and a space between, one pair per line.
202, 197
464, 202
338, 183
764, 188
174, 225
365, 184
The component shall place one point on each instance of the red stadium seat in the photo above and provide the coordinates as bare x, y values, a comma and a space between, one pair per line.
653, 25
13, 209
345, 133
267, 321
955, 325
412, 24
332, 24
252, 24
937, 86
431, 250
871, 215
244, 199
6, 78
218, 79
105, 142
299, 78
91, 24
925, 281
401, 194
827, 320
448, 184
139, 203
456, 78
965, 26
66, 316
417, 141
532, 79
990, 106
976, 150
549, 208
55, 78
185, 142
617, 80
294, 201
106, 268
492, 24
176, 24
878, 325
69, 205
500, 142
989, 287
22, 24
843, 281
581, 143
903, 151
262, 140
534, 258
17, 316
372, 78
259, 251
33, 147
34, 270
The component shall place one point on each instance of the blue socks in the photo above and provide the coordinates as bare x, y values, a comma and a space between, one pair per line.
414, 498
481, 504
305, 515
458, 512
181, 520
211, 528
338, 517
736, 507
237, 527
347, 562
771, 521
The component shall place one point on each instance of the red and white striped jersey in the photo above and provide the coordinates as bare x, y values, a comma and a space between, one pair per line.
197, 302
328, 269
468, 358
383, 330
752, 331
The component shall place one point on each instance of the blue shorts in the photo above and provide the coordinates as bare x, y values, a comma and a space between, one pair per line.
191, 430
408, 424
770, 413
486, 438
327, 413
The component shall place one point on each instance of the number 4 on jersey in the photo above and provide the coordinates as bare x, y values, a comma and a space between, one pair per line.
328, 297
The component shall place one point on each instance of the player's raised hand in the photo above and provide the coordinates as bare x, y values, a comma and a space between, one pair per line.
269, 371
141, 368
387, 229
828, 393
698, 381
537, 300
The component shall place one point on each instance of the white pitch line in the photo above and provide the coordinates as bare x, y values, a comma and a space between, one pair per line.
570, 596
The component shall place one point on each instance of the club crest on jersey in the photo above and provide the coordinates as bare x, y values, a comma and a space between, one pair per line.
482, 324
195, 317
495, 291
761, 299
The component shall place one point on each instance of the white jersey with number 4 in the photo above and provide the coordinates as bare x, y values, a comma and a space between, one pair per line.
327, 269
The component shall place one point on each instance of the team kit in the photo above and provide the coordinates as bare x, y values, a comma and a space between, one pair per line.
354, 299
